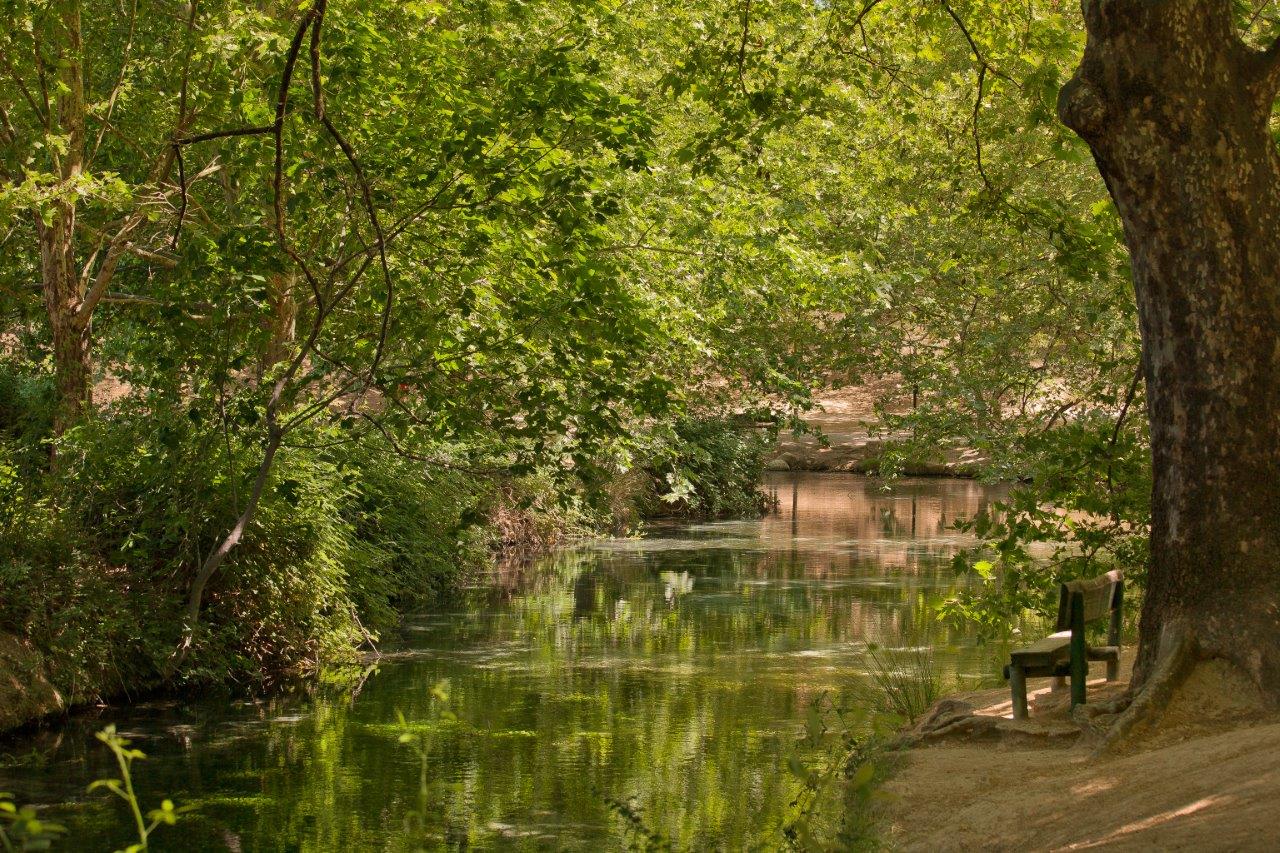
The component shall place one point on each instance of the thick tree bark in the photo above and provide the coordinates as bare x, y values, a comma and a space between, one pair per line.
1176, 109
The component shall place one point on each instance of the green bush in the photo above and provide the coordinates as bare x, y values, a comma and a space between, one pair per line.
1083, 509
419, 529
101, 547
53, 588
344, 537
711, 468
26, 414
104, 537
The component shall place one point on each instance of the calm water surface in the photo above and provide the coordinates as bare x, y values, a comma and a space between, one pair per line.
673, 670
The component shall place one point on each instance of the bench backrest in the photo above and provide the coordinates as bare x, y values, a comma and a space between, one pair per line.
1102, 596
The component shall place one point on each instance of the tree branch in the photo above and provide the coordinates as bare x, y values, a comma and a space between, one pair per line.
365, 191
182, 120
1115, 437
115, 248
276, 431
40, 114
400, 450
973, 45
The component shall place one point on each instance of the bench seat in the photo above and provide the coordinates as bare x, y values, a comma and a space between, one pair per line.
1052, 656
1046, 652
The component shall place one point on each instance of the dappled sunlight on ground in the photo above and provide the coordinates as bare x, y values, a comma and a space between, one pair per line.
1153, 822
1195, 783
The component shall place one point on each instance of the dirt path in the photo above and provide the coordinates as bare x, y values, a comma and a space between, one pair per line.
1199, 781
1220, 792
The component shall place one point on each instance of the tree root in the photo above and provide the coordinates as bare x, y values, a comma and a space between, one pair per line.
1177, 656
972, 727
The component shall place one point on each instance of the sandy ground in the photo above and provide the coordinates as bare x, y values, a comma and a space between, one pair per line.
1207, 777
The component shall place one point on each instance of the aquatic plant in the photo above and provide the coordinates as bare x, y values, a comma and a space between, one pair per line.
418, 738
640, 836
840, 762
166, 815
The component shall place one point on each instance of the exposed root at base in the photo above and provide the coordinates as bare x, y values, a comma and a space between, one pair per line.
1193, 691
1177, 656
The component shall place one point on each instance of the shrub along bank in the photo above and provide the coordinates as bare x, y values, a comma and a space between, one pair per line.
100, 545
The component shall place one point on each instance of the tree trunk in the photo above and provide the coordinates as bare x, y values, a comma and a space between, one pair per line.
282, 322
63, 290
63, 299
1176, 108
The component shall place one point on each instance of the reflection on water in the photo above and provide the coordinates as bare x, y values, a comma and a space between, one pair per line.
674, 669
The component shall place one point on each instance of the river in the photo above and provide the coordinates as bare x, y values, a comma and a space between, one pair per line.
672, 671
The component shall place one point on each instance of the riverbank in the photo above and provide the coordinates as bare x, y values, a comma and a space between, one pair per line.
27, 693
850, 439
99, 551
337, 555
309, 590
1204, 777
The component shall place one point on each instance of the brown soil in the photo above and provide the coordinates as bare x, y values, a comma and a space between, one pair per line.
1206, 776
26, 691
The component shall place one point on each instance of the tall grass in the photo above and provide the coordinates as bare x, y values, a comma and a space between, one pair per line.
906, 681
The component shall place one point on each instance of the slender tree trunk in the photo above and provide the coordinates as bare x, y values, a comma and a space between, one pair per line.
211, 564
283, 321
63, 289
1176, 110
62, 299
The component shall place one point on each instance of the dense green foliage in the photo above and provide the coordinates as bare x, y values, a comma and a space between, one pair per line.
396, 330
898, 171
342, 538
365, 290
711, 467
311, 311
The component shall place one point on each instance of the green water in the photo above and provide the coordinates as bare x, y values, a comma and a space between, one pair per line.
673, 670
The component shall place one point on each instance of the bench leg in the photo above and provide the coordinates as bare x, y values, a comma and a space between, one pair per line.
1018, 685
1059, 683
1079, 665
1113, 669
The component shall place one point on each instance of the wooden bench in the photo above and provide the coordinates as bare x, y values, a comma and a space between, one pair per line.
1065, 652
